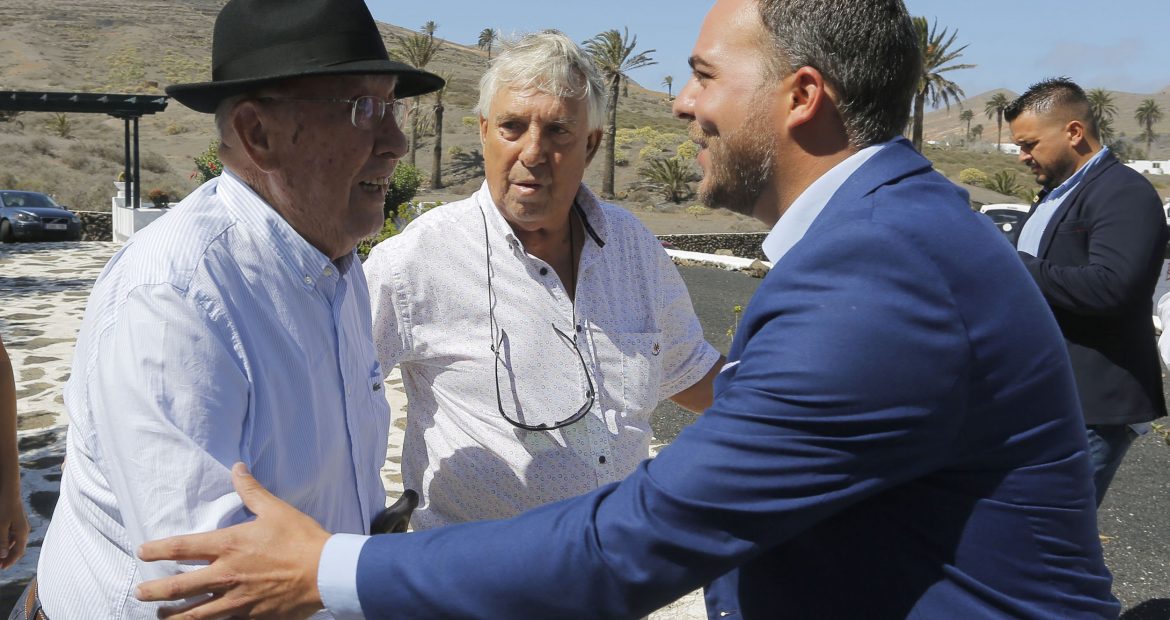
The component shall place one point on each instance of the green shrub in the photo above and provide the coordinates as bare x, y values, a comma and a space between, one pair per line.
455, 151
688, 150
403, 187
649, 152
973, 176
365, 245
207, 164
471, 122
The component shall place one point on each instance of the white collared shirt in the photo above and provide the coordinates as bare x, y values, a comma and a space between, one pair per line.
635, 328
216, 335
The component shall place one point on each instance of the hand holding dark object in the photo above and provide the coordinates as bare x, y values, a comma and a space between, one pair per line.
396, 518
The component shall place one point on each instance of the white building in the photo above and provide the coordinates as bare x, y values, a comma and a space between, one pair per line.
1148, 166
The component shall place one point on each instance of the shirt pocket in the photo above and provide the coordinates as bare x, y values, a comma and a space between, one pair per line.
631, 370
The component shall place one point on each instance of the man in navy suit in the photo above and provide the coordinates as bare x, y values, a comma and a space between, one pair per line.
886, 441
1094, 243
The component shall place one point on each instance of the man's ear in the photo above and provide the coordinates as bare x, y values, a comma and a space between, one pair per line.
806, 94
592, 143
483, 129
1075, 131
253, 130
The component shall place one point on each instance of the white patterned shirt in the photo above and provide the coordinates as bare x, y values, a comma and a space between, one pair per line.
635, 327
216, 335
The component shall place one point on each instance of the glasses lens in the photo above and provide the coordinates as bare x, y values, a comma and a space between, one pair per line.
367, 112
400, 111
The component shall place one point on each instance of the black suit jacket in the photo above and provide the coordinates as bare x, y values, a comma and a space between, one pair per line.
1098, 263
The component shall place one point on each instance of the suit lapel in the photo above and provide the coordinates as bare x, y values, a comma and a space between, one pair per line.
1073, 198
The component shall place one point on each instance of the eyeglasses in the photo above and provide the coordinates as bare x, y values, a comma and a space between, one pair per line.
366, 112
497, 349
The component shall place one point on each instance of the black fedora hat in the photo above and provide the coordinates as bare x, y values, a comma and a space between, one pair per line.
257, 42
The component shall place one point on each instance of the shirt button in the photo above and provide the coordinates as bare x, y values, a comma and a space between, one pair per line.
309, 280
328, 271
580, 329
544, 271
601, 459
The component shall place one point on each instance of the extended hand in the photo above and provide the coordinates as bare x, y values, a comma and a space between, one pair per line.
266, 568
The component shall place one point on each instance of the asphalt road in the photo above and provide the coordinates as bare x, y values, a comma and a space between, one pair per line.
1134, 520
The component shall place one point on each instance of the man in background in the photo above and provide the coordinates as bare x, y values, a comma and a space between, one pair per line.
1094, 243
537, 328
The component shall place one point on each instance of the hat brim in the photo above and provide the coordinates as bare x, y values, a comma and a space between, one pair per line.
206, 96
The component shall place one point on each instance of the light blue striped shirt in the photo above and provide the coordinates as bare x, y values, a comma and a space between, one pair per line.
217, 334
1037, 223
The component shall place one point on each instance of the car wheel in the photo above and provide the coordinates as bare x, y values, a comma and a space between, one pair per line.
6, 232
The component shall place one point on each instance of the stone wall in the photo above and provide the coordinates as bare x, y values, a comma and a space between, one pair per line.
96, 225
744, 245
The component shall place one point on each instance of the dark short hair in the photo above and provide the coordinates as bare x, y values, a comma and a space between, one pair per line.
1046, 96
867, 50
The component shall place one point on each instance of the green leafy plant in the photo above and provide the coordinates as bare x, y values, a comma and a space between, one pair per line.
403, 187
670, 177
698, 210
207, 164
974, 176
60, 125
736, 312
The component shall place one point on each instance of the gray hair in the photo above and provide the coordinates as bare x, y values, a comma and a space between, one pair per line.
547, 62
867, 50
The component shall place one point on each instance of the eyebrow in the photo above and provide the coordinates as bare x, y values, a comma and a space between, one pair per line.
507, 116
697, 61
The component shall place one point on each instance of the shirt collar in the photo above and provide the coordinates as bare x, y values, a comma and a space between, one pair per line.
791, 226
586, 203
312, 268
1070, 183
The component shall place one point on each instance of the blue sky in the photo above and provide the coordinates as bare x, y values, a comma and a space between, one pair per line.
1125, 47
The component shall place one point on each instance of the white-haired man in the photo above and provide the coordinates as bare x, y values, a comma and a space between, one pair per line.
536, 327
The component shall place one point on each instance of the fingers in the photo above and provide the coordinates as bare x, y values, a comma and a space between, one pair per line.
185, 585
206, 546
253, 494
18, 542
205, 608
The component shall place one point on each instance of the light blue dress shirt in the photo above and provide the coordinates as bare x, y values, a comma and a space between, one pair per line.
1037, 223
216, 335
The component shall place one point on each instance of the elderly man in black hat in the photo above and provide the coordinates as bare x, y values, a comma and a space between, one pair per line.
238, 327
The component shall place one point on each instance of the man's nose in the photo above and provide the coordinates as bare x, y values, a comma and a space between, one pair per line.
532, 150
683, 107
390, 139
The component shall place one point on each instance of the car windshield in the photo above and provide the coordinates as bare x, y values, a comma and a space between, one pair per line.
1004, 216
26, 199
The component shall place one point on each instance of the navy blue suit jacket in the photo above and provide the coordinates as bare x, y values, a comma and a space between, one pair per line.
890, 440
1098, 263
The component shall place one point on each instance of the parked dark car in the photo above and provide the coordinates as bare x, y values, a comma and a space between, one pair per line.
31, 216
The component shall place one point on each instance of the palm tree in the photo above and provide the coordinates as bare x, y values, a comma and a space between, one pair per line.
429, 29
487, 37
668, 82
418, 50
1005, 182
613, 53
977, 132
1102, 108
437, 153
933, 86
1147, 114
966, 116
994, 109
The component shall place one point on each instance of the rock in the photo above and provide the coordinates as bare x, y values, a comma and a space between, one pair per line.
757, 269
723, 252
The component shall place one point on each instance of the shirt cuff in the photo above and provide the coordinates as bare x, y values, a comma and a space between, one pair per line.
337, 576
